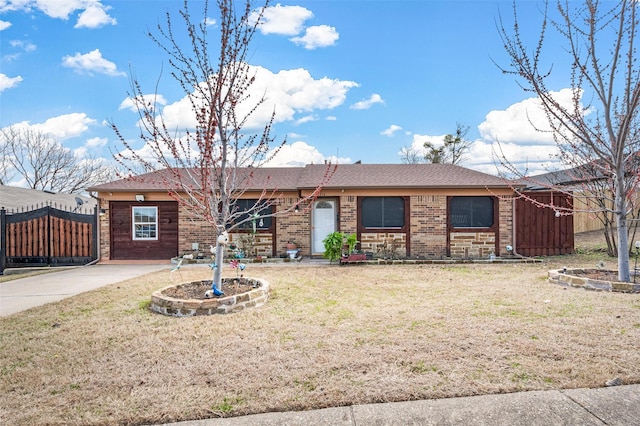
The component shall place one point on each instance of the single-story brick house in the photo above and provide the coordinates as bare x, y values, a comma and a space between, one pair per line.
410, 210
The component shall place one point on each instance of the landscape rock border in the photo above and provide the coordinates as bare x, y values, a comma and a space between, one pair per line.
573, 278
170, 306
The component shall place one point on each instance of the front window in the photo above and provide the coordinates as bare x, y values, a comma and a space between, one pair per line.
471, 212
382, 212
145, 223
255, 218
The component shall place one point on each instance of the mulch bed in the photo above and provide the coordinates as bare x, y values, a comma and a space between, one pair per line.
598, 275
196, 289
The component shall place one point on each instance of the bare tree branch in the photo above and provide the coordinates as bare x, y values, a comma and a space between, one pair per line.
44, 164
210, 164
600, 141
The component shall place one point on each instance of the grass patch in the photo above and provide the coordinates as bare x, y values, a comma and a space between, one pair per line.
15, 274
329, 336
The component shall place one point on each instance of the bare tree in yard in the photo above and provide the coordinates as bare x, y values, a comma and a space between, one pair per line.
44, 164
596, 198
410, 155
211, 164
600, 42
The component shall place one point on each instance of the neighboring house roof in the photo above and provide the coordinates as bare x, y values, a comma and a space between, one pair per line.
344, 176
566, 178
14, 198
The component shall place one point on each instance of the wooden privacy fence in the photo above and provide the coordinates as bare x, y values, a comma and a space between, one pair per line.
47, 236
539, 230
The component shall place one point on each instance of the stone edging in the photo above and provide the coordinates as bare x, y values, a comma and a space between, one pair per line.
219, 305
568, 278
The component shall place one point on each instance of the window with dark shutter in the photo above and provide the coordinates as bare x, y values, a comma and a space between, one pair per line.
471, 212
256, 216
382, 212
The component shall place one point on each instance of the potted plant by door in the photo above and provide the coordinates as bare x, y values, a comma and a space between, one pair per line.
292, 249
350, 246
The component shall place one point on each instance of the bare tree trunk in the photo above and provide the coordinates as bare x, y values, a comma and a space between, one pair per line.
217, 271
623, 236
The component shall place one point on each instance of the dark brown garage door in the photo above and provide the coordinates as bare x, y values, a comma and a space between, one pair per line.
144, 230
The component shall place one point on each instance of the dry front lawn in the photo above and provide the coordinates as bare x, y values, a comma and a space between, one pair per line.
329, 336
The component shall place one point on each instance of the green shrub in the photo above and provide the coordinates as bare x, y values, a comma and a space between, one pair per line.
333, 246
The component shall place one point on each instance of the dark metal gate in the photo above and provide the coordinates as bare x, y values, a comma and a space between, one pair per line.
47, 236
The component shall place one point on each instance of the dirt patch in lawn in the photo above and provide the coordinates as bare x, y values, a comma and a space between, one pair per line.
328, 336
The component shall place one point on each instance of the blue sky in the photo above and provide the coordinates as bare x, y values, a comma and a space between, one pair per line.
353, 79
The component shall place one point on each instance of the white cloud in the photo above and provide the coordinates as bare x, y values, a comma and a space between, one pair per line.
90, 63
317, 36
7, 82
80, 152
368, 103
63, 126
56, 8
391, 130
510, 133
513, 132
93, 13
299, 154
149, 99
210, 22
95, 16
90, 146
96, 142
306, 119
528, 159
531, 158
419, 140
331, 118
4, 25
23, 45
516, 123
288, 91
284, 20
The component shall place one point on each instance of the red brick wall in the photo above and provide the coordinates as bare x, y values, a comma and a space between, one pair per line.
293, 227
428, 237
348, 214
506, 224
428, 225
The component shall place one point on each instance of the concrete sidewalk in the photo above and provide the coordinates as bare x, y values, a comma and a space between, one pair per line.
24, 293
604, 406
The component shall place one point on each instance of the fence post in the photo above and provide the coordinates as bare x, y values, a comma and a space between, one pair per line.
3, 240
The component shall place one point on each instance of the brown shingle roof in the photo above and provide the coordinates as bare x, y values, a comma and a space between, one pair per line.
345, 176
281, 178
399, 176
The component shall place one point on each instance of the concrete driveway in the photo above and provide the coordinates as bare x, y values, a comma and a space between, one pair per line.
24, 293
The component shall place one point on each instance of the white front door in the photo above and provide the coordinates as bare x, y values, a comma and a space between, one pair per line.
324, 223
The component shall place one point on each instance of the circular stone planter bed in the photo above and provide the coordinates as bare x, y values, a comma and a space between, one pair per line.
187, 299
592, 279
